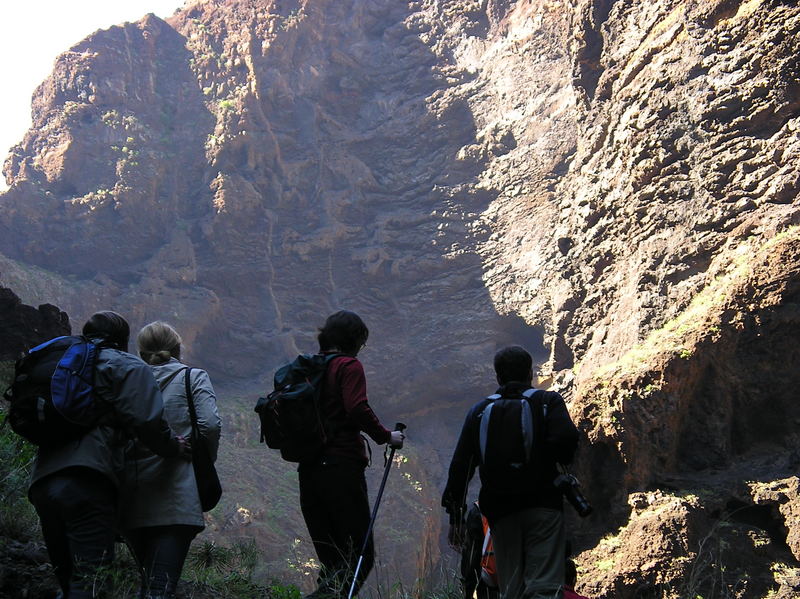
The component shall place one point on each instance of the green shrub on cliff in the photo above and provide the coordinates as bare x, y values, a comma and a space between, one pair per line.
17, 516
6, 373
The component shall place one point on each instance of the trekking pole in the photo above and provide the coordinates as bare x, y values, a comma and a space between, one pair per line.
398, 427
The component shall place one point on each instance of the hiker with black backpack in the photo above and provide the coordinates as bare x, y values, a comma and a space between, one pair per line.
330, 449
516, 437
162, 507
75, 482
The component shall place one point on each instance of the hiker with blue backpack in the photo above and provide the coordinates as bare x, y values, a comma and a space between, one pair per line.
162, 506
75, 481
316, 416
516, 437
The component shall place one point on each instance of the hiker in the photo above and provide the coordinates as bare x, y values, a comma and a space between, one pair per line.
74, 486
570, 578
518, 497
333, 490
161, 511
478, 566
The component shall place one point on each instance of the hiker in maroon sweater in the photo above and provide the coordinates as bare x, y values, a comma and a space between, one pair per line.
333, 490
571, 579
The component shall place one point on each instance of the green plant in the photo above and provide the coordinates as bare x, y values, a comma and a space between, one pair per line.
226, 105
209, 556
226, 572
6, 374
606, 564
120, 578
293, 19
111, 118
17, 517
278, 590
72, 108
707, 576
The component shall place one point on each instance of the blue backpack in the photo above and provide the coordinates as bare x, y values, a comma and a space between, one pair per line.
51, 397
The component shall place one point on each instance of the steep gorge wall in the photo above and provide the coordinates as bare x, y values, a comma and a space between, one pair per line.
620, 177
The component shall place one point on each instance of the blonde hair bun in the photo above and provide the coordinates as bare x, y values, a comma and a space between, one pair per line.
158, 342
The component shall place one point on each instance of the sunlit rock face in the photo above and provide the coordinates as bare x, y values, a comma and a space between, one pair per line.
612, 184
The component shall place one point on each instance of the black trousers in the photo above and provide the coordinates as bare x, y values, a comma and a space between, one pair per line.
160, 552
333, 498
77, 509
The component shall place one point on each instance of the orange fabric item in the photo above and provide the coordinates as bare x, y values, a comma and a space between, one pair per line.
488, 563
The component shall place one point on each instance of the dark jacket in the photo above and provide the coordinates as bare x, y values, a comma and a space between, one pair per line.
559, 445
124, 386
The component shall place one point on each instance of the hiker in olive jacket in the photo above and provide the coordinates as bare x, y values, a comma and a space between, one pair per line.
74, 486
161, 512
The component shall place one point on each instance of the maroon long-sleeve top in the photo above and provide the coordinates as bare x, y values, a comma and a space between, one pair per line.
345, 406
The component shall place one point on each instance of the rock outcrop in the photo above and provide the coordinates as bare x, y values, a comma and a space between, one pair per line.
613, 184
23, 327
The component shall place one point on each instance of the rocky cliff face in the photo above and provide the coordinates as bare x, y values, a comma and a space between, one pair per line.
23, 327
612, 184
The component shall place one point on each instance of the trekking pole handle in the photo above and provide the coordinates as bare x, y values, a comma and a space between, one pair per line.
400, 426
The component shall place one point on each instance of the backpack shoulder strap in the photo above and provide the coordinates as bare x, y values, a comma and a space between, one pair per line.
544, 399
526, 422
483, 431
329, 357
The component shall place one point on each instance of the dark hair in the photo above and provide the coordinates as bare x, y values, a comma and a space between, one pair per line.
109, 326
570, 573
344, 331
513, 363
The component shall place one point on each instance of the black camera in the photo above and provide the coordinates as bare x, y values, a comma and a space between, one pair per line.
571, 489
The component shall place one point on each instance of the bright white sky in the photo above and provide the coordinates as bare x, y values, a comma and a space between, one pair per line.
34, 32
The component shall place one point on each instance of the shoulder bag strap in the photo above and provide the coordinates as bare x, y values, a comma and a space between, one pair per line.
163, 384
190, 401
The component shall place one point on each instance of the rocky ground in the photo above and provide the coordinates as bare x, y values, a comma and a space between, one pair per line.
25, 570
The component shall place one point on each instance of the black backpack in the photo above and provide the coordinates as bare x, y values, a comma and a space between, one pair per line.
511, 435
51, 399
291, 418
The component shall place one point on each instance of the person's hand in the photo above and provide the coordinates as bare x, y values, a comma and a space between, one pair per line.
184, 448
396, 440
455, 536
